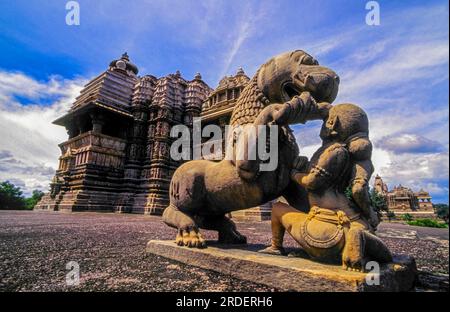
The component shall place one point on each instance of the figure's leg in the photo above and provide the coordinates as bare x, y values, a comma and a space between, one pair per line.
276, 247
228, 233
188, 232
281, 223
361, 246
353, 253
376, 249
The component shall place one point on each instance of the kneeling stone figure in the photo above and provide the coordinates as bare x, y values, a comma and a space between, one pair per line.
336, 228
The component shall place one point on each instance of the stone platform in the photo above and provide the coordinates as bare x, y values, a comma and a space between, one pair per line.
286, 273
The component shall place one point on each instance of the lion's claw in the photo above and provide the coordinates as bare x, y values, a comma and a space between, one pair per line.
190, 238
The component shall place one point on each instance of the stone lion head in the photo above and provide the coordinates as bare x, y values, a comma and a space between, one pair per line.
291, 73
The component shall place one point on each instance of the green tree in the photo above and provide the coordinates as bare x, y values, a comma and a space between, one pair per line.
11, 197
36, 196
442, 211
377, 201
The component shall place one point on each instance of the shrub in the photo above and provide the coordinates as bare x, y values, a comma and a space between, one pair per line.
407, 217
390, 215
428, 223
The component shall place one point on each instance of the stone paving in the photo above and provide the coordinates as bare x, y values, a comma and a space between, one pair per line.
110, 249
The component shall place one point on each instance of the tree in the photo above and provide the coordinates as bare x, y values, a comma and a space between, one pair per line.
442, 211
11, 197
36, 196
377, 201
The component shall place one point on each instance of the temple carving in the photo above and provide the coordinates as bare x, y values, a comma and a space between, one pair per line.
117, 156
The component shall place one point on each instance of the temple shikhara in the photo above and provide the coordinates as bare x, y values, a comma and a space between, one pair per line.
117, 156
404, 200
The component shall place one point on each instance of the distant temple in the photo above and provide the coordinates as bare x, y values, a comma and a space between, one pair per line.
402, 199
117, 156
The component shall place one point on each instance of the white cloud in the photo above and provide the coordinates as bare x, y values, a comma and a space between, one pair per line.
29, 140
410, 62
409, 143
428, 171
250, 19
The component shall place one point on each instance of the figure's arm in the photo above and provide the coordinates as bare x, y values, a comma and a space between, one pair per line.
362, 170
298, 110
300, 169
361, 173
315, 179
300, 177
322, 172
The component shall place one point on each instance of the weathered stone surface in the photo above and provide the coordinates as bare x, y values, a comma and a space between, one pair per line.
286, 273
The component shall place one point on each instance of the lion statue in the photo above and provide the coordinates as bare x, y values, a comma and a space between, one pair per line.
290, 88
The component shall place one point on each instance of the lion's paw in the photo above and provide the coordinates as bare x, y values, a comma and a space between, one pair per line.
190, 238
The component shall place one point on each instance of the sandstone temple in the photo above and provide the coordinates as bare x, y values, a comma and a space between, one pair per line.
404, 200
117, 156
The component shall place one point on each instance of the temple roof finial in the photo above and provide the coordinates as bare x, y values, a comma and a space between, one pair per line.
125, 64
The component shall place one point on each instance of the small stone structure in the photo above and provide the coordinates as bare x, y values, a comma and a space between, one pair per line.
403, 200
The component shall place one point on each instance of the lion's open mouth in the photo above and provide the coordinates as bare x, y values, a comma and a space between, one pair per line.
290, 90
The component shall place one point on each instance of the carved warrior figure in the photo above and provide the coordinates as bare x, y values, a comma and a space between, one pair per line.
283, 91
335, 228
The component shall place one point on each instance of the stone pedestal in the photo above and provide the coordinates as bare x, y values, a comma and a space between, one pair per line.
287, 273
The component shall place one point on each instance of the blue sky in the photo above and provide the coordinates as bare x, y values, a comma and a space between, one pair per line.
397, 71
